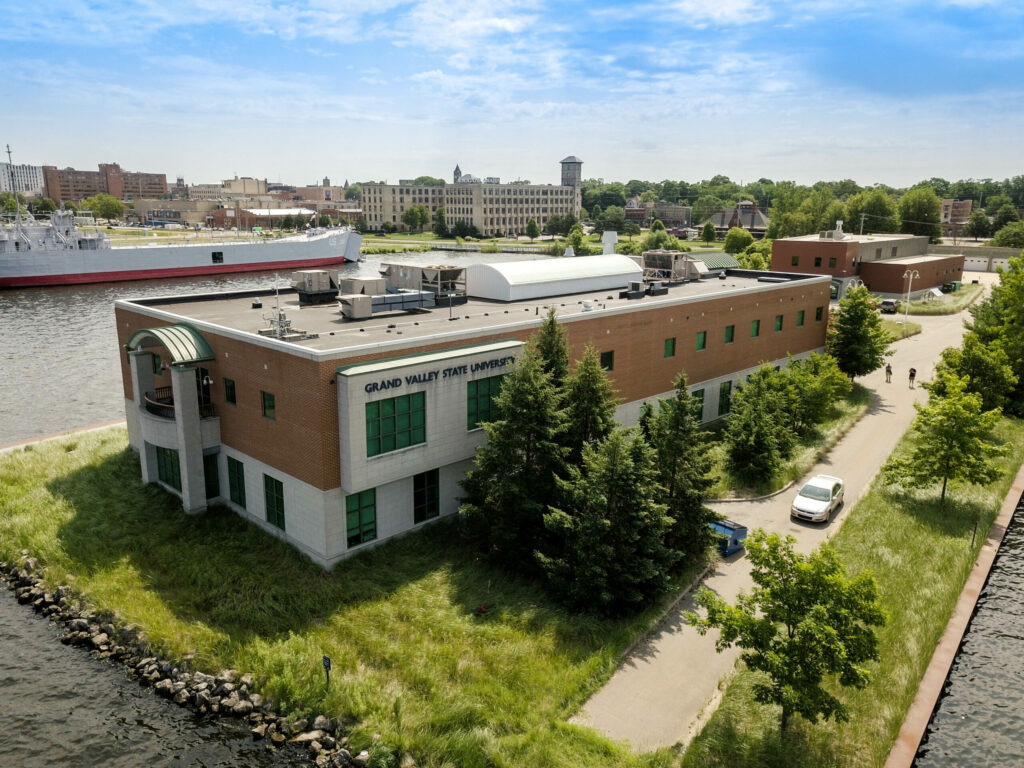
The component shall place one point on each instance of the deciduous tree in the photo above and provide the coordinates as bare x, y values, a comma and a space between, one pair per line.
1005, 215
952, 439
708, 234
920, 213
986, 366
977, 225
736, 239
803, 621
1010, 236
855, 335
878, 209
532, 230
999, 322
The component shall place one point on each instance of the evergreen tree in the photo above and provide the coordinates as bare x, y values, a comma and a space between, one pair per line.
441, 223
855, 336
611, 556
514, 477
553, 347
589, 405
682, 463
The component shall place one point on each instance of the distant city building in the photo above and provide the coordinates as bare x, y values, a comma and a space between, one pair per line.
880, 261
955, 214
493, 208
237, 188
68, 184
673, 214
23, 179
744, 216
572, 171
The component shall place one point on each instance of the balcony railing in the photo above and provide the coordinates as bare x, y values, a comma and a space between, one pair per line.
160, 402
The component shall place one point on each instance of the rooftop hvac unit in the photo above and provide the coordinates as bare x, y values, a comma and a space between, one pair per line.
314, 286
355, 306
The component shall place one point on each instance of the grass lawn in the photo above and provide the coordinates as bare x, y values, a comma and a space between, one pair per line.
949, 304
896, 328
413, 659
920, 553
844, 415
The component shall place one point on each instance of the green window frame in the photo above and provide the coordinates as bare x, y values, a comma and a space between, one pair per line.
795, 261
724, 398
831, 261
702, 340
229, 392
819, 312
778, 322
168, 467
480, 396
799, 318
361, 517
236, 481
426, 496
730, 333
269, 405
396, 423
817, 261
608, 360
273, 494
755, 328
670, 347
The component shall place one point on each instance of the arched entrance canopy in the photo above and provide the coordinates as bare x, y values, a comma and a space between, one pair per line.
184, 342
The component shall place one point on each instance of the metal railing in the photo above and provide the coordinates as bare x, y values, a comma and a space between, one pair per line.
160, 402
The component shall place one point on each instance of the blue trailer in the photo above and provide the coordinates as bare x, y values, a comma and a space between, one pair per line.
730, 536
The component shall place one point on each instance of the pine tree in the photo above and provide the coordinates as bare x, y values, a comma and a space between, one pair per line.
758, 436
682, 463
589, 405
553, 347
514, 478
610, 531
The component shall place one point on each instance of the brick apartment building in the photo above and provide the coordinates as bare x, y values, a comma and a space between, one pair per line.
70, 185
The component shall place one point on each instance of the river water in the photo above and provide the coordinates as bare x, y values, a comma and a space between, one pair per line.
59, 370
979, 721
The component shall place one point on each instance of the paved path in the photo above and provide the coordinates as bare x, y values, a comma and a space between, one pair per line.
664, 691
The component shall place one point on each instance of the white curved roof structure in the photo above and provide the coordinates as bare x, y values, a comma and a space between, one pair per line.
519, 280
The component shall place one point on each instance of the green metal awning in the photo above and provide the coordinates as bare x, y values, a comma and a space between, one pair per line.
715, 259
184, 342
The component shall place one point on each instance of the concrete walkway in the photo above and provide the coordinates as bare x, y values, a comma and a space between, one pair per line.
665, 690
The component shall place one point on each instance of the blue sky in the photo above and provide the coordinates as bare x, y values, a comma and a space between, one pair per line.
880, 92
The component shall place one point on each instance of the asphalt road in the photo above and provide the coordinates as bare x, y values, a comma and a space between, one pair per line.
668, 686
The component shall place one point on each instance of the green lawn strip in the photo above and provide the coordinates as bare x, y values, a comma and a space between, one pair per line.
949, 304
413, 660
808, 451
896, 328
920, 554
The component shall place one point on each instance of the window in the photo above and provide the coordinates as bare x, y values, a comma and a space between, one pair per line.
755, 328
426, 496
236, 482
832, 261
269, 406
730, 331
273, 493
878, 254
778, 322
796, 261
229, 391
800, 318
608, 360
480, 396
218, 257
211, 475
158, 365
361, 517
724, 398
817, 261
168, 469
818, 313
702, 339
698, 397
892, 254
670, 347
397, 422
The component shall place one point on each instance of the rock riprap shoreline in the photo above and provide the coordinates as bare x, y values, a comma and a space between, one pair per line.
226, 694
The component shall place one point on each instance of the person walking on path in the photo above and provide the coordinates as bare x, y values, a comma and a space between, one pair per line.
913, 374
888, 373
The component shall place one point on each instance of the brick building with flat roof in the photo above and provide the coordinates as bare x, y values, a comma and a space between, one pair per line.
879, 261
69, 185
337, 433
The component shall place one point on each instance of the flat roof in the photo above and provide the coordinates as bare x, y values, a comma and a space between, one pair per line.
847, 238
232, 314
920, 259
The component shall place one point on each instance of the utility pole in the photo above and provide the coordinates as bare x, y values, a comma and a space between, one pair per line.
862, 217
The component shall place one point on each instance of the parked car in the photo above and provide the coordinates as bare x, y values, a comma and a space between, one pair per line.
887, 307
818, 499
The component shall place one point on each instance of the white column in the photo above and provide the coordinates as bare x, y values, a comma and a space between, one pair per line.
190, 439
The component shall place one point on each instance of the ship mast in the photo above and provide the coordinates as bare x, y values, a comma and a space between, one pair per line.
14, 191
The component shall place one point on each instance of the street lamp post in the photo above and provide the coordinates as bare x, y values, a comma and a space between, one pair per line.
911, 274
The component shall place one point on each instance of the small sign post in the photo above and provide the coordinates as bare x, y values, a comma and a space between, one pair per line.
327, 669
